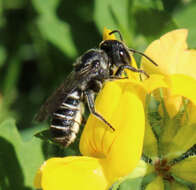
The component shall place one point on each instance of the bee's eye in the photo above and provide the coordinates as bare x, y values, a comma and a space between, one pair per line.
121, 53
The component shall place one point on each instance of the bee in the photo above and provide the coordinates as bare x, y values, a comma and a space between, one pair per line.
90, 71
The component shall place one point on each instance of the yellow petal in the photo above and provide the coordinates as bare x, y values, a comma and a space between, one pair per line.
72, 173
182, 85
171, 54
126, 149
156, 184
93, 134
38, 177
186, 169
154, 82
172, 104
179, 86
187, 63
166, 52
107, 36
120, 105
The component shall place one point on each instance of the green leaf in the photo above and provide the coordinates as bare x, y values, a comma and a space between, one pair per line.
17, 4
185, 18
3, 55
5, 111
128, 184
112, 14
150, 142
149, 4
28, 133
184, 139
169, 5
152, 24
131, 184
46, 7
156, 184
58, 33
176, 186
186, 169
169, 130
19, 160
141, 170
52, 28
11, 79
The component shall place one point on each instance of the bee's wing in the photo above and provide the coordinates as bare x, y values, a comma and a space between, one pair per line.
56, 99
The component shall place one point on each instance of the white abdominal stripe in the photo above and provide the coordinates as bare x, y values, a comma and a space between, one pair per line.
66, 120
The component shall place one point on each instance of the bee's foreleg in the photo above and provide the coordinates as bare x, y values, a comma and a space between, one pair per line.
123, 67
114, 77
90, 101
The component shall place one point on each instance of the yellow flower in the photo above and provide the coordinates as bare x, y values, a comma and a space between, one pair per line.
171, 54
170, 136
107, 155
169, 142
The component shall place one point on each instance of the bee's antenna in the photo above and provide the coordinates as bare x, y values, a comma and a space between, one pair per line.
132, 50
117, 31
138, 52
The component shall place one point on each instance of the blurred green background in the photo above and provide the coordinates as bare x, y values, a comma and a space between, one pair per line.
39, 41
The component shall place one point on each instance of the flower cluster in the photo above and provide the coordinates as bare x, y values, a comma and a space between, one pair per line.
171, 131
156, 115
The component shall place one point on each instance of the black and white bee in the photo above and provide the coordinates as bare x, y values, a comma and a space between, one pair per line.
90, 72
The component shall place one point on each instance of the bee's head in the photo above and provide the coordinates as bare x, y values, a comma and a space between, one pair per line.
117, 52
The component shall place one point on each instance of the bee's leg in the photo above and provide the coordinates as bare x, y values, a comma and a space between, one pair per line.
84, 120
123, 67
84, 117
90, 101
115, 77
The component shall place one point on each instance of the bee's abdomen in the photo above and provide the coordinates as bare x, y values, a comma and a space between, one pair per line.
67, 119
